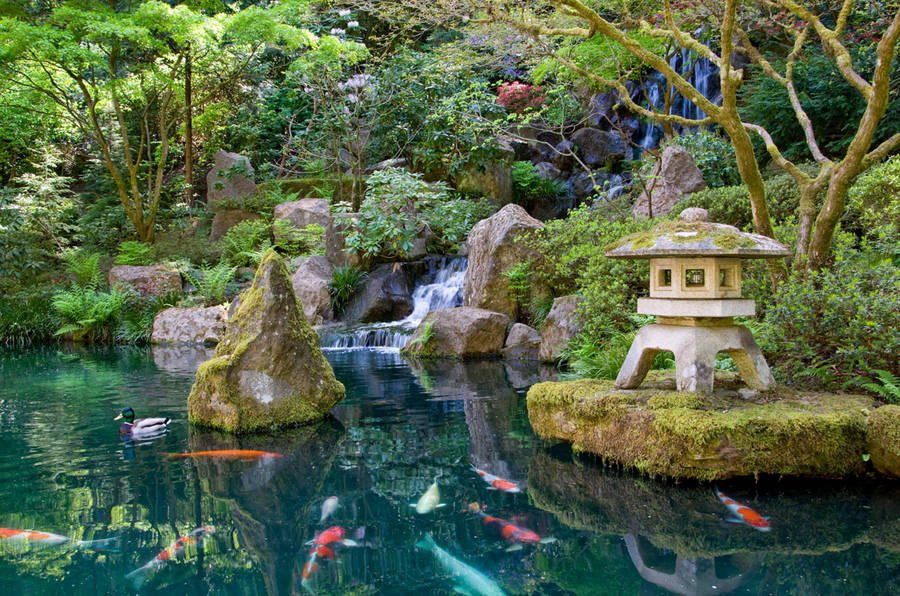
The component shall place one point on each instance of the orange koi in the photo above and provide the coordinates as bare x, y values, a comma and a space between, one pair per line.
24, 540
173, 551
515, 535
245, 454
497, 483
741, 514
324, 547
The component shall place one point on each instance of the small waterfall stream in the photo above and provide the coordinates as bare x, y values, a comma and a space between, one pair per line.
440, 288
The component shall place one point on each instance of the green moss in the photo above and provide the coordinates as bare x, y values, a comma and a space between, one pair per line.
668, 433
724, 238
883, 439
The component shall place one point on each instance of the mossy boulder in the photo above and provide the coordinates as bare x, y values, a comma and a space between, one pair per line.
662, 432
461, 332
883, 433
268, 369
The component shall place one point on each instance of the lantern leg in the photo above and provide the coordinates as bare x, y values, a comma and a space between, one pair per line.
638, 360
751, 363
695, 363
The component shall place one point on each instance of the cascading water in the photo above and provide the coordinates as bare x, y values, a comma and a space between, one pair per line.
441, 287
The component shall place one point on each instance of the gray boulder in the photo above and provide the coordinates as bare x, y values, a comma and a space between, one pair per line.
559, 328
598, 147
492, 251
335, 246
523, 343
461, 332
231, 177
310, 282
146, 280
673, 177
548, 170
189, 326
304, 212
225, 219
268, 370
386, 295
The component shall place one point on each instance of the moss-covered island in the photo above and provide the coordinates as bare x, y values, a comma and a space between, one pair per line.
661, 432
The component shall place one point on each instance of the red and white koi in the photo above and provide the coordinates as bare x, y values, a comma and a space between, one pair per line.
324, 547
497, 483
20, 541
515, 535
741, 514
175, 550
244, 454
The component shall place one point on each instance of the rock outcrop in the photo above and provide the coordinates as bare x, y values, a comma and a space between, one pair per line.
494, 182
523, 343
225, 219
304, 212
189, 326
385, 296
310, 282
146, 280
673, 177
560, 327
493, 250
231, 177
598, 147
883, 437
461, 332
268, 370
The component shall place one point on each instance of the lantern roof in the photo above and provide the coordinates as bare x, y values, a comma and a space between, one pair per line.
693, 235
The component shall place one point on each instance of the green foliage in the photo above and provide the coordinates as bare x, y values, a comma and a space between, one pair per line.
262, 201
529, 186
519, 277
187, 245
835, 325
26, 318
136, 319
451, 220
731, 204
600, 55
389, 217
572, 250
293, 241
245, 242
424, 337
713, 155
84, 266
888, 387
88, 314
874, 199
591, 360
210, 282
344, 283
832, 104
132, 252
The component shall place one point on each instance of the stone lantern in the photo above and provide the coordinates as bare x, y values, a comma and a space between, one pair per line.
695, 290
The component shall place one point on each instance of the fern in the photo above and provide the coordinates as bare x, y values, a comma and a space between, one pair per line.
344, 282
132, 252
85, 266
210, 282
243, 241
888, 390
87, 314
425, 336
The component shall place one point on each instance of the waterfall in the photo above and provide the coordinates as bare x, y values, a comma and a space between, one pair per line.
700, 72
440, 288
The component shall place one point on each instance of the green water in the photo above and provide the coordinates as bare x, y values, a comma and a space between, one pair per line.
63, 469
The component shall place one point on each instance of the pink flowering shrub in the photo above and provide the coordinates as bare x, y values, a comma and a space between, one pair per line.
517, 96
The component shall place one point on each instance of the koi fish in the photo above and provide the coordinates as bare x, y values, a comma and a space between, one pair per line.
173, 551
471, 581
245, 454
21, 541
741, 514
328, 507
324, 547
497, 483
429, 501
515, 535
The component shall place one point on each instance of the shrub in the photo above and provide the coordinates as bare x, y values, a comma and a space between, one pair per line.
836, 325
210, 282
84, 266
132, 252
573, 261
451, 220
592, 360
389, 217
262, 201
517, 97
136, 319
88, 314
529, 186
242, 244
874, 199
26, 318
187, 245
519, 277
344, 283
293, 241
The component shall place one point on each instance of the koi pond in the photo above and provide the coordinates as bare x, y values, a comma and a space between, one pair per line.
108, 513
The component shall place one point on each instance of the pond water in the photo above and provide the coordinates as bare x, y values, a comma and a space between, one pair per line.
64, 470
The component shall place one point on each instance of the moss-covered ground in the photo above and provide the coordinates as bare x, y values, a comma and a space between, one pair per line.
661, 432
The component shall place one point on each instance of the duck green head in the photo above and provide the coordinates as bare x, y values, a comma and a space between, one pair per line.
127, 414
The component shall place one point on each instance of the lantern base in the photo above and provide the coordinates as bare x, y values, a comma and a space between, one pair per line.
695, 349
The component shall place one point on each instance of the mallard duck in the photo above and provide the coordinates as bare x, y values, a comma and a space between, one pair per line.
141, 426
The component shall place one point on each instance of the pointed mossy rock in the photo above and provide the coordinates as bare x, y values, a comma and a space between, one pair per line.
662, 432
268, 370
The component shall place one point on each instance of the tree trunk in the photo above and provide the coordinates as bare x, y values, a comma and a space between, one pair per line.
188, 131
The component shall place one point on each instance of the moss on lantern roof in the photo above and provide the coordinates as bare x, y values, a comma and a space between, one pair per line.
692, 235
